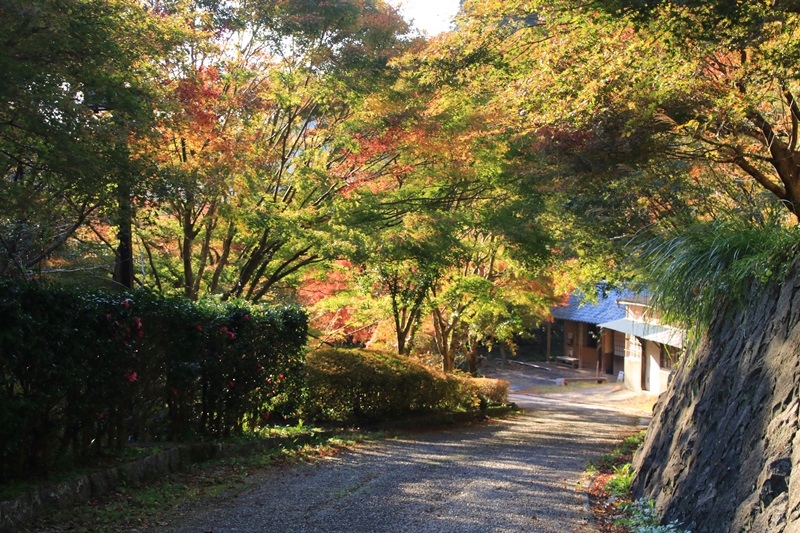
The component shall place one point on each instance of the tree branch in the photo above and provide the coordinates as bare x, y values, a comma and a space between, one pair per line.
794, 110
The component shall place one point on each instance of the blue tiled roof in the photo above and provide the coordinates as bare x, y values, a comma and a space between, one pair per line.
605, 310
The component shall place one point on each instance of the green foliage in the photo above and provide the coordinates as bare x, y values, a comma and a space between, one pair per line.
365, 386
694, 271
83, 372
620, 482
622, 453
75, 88
643, 518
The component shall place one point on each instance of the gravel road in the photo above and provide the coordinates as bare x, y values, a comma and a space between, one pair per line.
523, 473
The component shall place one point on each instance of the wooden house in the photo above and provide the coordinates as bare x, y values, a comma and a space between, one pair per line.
620, 335
585, 343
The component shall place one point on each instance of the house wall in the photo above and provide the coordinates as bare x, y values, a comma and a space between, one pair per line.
645, 374
664, 383
636, 312
571, 336
619, 353
576, 336
607, 349
633, 363
653, 353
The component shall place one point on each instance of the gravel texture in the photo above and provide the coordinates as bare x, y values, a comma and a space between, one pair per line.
523, 473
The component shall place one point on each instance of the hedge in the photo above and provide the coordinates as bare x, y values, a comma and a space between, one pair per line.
351, 385
84, 372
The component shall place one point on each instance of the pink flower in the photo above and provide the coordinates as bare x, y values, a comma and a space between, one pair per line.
198, 327
231, 384
108, 316
131, 376
247, 316
138, 322
127, 303
231, 335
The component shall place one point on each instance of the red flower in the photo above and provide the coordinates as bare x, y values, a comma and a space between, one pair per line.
231, 335
266, 415
247, 316
174, 392
259, 368
131, 376
138, 322
198, 327
127, 303
231, 383
280, 378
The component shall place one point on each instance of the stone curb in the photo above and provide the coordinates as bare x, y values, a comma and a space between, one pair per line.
17, 512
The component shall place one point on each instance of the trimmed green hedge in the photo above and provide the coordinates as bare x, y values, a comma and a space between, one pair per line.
360, 385
83, 372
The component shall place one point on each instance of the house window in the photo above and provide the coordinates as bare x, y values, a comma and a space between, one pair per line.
570, 337
619, 343
633, 348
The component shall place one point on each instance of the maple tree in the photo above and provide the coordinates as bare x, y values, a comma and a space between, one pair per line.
623, 92
248, 164
442, 221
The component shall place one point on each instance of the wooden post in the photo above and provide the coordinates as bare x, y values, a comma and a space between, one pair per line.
549, 331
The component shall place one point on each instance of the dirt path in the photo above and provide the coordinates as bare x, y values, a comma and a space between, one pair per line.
519, 474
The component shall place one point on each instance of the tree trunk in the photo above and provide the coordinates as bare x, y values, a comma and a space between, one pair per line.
472, 357
123, 262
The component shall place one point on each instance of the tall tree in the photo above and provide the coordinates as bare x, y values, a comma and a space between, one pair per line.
249, 162
75, 86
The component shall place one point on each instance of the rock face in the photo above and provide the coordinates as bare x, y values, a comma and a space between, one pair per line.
723, 449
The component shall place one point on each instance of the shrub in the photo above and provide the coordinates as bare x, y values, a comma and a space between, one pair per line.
361, 385
694, 271
82, 372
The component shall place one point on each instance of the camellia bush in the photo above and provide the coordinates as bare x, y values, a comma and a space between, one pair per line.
84, 372
351, 385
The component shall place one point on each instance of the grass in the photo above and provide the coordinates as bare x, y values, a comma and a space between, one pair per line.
695, 271
620, 455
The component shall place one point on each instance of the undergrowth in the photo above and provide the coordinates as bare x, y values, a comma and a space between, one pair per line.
148, 506
610, 494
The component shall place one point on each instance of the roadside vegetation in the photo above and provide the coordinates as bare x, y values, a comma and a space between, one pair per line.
609, 490
149, 505
166, 372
